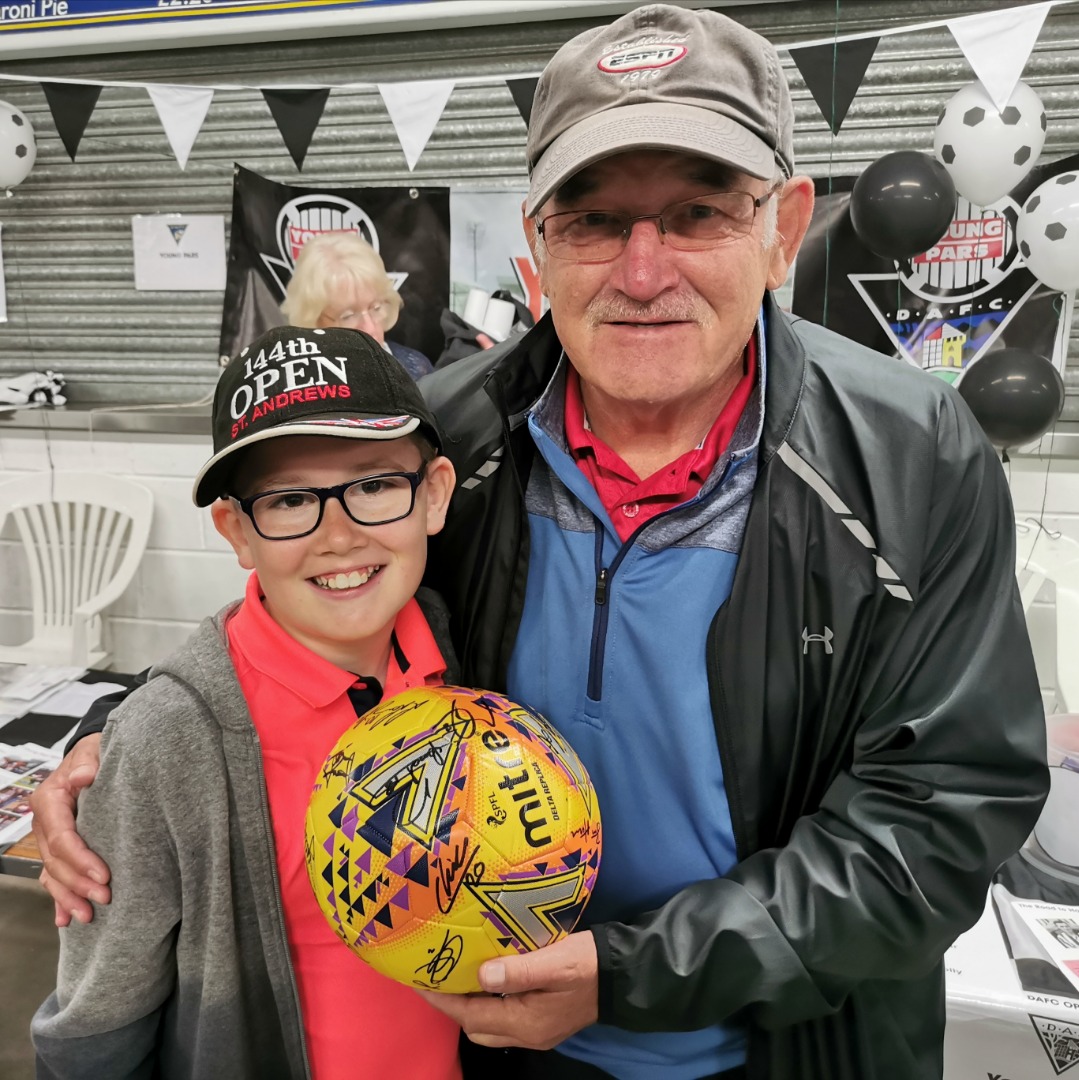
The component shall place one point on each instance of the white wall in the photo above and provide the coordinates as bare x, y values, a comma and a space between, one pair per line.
1047, 491
1039, 483
188, 571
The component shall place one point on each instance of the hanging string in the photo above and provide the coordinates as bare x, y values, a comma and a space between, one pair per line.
1027, 522
1039, 521
831, 155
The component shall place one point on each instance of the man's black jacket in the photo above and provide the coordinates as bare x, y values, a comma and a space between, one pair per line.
877, 710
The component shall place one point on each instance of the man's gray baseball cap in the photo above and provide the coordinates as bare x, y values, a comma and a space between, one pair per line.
660, 78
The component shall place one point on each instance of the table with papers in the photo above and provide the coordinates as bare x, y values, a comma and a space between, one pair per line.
40, 707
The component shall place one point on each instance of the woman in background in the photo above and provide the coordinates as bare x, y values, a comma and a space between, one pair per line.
340, 280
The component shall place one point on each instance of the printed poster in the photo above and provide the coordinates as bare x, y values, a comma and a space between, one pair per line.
1055, 927
179, 252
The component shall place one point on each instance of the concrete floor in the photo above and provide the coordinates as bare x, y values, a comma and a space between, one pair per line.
28, 951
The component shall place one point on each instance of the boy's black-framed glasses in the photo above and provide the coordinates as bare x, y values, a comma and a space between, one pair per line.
688, 225
289, 513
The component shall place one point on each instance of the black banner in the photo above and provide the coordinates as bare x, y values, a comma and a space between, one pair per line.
409, 227
942, 309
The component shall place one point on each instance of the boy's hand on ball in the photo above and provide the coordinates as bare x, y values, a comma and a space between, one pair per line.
545, 996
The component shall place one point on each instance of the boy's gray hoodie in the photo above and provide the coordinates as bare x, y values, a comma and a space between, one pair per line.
186, 974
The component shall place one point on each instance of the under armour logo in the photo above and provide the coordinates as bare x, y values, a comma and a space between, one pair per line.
825, 639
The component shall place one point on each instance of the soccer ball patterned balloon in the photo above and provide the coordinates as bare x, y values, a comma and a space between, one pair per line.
18, 148
1048, 232
449, 826
986, 151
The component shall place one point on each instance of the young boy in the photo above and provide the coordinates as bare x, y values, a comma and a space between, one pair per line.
213, 959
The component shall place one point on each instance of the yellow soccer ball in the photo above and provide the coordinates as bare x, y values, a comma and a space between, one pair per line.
449, 826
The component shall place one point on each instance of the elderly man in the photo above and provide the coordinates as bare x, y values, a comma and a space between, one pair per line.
760, 577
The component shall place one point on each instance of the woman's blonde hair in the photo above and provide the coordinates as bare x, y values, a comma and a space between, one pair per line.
325, 263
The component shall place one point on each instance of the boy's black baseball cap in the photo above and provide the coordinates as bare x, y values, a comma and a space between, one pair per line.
299, 381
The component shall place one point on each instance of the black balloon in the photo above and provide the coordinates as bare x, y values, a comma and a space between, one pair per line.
902, 204
1015, 395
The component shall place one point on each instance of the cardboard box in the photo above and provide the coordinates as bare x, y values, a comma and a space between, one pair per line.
1012, 998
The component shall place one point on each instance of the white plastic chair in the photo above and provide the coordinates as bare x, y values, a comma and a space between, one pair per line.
84, 535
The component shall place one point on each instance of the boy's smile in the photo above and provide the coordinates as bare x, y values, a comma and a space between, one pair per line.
337, 590
350, 579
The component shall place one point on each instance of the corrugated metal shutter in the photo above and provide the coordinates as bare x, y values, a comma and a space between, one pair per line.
67, 232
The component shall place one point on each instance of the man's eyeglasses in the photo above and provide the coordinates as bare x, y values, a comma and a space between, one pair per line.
290, 513
689, 225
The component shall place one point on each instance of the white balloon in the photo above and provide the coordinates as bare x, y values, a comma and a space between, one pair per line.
988, 152
1048, 232
18, 149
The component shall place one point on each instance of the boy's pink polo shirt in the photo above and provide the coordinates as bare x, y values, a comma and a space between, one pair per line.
357, 1022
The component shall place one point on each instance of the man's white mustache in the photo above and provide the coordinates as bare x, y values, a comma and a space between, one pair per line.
624, 309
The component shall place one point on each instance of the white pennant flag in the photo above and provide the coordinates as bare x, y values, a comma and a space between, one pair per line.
997, 45
182, 110
414, 109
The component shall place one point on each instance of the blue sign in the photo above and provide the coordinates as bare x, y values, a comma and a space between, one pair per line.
22, 15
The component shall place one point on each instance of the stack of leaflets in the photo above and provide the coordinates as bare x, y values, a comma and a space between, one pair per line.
1013, 991
22, 768
43, 704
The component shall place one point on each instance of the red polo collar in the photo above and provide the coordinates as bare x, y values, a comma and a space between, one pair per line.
629, 500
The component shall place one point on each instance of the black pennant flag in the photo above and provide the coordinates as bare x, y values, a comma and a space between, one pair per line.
71, 105
833, 74
523, 91
297, 113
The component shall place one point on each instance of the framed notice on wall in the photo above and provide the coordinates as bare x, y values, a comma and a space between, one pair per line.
179, 252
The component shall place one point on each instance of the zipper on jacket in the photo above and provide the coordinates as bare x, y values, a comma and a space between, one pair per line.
604, 577
604, 582
599, 619
601, 587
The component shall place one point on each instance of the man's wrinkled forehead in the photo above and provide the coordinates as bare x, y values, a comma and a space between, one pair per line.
604, 175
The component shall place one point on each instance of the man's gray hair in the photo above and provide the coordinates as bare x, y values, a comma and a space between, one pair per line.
771, 210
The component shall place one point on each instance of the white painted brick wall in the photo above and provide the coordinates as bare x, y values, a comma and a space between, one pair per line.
188, 571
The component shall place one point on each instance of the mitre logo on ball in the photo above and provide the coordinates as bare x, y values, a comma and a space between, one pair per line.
449, 826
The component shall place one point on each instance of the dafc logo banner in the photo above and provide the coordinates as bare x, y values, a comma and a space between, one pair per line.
942, 309
408, 227
1060, 1041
